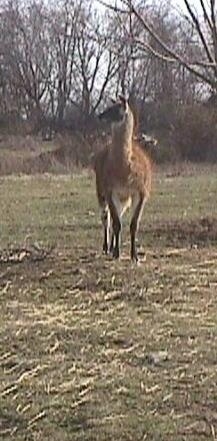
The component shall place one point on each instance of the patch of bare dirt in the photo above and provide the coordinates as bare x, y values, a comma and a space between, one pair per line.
200, 231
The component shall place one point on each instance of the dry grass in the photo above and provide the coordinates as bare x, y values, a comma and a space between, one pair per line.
31, 155
93, 349
27, 154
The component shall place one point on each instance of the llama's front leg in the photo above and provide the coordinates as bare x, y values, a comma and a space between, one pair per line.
138, 206
116, 227
111, 246
106, 221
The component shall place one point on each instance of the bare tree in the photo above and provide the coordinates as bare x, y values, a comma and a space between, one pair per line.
63, 19
62, 55
25, 53
204, 34
97, 58
145, 76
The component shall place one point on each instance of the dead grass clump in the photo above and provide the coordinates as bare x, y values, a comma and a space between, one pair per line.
24, 154
72, 152
45, 162
33, 253
20, 143
11, 164
78, 148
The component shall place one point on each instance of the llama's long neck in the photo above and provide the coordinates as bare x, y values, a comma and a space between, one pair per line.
122, 135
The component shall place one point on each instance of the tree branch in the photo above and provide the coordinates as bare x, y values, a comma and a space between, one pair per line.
200, 33
171, 53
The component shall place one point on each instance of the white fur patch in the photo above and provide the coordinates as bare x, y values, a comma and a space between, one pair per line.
106, 219
122, 200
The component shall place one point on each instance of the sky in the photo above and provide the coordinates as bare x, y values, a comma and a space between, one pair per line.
176, 3
181, 4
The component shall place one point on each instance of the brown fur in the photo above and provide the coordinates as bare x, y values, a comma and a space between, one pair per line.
139, 157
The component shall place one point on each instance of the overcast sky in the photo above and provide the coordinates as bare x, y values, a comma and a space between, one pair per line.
181, 3
177, 3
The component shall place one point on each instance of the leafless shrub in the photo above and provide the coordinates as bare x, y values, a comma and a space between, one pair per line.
195, 134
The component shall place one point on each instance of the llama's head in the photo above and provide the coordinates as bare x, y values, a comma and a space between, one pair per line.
117, 113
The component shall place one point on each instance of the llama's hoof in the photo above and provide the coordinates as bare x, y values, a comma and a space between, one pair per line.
105, 249
111, 250
116, 253
134, 258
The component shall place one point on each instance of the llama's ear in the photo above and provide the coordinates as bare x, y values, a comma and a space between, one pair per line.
123, 101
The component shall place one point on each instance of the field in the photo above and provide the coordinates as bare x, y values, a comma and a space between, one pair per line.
97, 350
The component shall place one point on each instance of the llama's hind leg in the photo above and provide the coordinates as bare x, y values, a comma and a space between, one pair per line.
138, 205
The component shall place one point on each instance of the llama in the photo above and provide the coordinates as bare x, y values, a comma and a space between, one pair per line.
123, 177
147, 142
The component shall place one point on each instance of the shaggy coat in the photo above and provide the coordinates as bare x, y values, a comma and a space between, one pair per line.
123, 177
